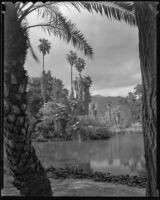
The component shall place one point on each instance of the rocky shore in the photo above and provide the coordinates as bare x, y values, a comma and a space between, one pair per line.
63, 173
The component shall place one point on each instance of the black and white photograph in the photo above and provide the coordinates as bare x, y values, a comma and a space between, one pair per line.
79, 101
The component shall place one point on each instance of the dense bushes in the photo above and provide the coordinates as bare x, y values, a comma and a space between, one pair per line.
58, 117
54, 122
93, 129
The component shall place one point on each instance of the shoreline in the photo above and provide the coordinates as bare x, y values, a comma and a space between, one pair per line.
129, 180
111, 132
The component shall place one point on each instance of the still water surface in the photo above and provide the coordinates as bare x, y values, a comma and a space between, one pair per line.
122, 154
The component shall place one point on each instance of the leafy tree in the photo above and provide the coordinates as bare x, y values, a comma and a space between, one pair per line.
135, 102
72, 57
58, 93
53, 119
16, 41
46, 85
138, 91
57, 120
35, 99
54, 91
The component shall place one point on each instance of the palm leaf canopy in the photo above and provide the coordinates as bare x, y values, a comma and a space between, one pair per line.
72, 57
60, 26
80, 64
44, 46
87, 81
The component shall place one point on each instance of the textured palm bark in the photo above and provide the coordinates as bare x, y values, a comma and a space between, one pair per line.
29, 175
146, 20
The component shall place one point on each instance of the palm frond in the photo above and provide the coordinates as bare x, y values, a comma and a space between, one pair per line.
63, 28
71, 57
32, 51
120, 11
24, 5
128, 6
32, 8
22, 9
18, 6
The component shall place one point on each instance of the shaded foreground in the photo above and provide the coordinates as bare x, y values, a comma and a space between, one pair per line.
77, 187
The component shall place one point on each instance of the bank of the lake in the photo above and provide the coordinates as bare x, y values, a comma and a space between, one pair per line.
79, 187
91, 133
65, 173
115, 164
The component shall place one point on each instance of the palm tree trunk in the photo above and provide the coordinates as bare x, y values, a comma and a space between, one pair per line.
43, 82
29, 175
43, 63
146, 20
109, 110
71, 80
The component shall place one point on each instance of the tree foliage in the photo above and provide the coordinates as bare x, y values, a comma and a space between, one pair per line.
35, 98
134, 100
80, 64
54, 91
44, 46
71, 57
82, 86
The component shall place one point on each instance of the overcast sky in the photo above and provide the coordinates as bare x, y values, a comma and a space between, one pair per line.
115, 68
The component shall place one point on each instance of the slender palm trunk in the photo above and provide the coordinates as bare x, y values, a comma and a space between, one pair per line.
81, 88
43, 63
43, 82
29, 175
109, 111
71, 81
146, 20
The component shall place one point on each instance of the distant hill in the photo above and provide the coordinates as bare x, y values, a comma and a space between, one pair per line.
117, 104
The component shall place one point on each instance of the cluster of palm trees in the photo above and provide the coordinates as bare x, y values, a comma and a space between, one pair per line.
29, 175
79, 64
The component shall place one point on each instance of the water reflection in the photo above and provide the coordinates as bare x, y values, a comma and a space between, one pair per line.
122, 154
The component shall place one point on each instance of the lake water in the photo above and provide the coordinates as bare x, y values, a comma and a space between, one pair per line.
122, 154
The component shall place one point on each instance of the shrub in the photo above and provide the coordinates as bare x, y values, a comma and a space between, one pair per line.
54, 118
92, 129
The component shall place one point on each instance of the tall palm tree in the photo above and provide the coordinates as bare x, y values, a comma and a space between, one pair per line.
109, 111
29, 175
80, 64
44, 48
72, 57
87, 81
140, 14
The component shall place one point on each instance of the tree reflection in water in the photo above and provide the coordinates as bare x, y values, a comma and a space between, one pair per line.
122, 154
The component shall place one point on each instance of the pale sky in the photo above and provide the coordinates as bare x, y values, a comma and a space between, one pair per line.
115, 68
